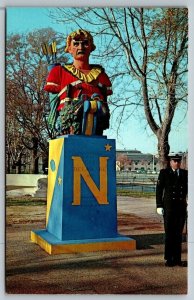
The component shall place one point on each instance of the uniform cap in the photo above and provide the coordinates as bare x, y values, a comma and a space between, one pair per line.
173, 155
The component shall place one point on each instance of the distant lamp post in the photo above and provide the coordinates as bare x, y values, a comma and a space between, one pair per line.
154, 156
153, 161
118, 165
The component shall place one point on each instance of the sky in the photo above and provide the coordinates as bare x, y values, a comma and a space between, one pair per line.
132, 134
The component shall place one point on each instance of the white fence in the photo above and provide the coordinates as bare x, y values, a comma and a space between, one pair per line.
23, 184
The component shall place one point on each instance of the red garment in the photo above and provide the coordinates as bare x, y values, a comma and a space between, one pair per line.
59, 77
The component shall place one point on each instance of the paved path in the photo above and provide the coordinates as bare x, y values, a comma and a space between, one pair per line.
30, 270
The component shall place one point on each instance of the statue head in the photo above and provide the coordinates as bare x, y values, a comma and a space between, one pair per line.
78, 35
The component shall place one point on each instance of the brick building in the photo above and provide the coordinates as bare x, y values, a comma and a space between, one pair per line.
134, 160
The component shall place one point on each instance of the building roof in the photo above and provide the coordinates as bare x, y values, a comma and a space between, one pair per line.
136, 155
128, 151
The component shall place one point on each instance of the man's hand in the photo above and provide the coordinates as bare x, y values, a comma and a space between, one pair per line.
160, 211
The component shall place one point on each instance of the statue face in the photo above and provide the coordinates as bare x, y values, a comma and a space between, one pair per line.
80, 48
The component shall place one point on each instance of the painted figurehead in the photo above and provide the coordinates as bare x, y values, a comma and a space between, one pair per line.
82, 90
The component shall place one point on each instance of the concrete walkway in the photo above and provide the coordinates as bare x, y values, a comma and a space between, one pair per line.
30, 270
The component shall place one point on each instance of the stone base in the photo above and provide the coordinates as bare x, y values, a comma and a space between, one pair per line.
52, 245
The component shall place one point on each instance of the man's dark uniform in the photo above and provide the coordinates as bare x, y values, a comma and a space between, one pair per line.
171, 192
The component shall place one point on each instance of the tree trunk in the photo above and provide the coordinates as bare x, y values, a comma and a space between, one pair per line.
163, 149
36, 169
19, 166
35, 156
35, 160
8, 169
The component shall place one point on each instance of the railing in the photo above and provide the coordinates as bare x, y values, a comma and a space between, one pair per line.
136, 182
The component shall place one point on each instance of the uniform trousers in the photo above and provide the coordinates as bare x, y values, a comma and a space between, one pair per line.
174, 221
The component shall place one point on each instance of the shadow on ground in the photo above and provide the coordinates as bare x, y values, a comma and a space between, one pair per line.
146, 241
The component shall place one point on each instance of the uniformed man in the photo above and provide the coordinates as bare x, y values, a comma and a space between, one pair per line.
171, 193
79, 80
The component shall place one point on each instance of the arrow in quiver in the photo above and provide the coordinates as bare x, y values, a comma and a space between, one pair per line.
50, 51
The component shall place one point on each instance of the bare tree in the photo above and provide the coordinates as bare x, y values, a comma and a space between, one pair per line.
124, 161
14, 148
145, 52
27, 104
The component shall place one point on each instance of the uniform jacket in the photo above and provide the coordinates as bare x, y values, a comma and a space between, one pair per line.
171, 191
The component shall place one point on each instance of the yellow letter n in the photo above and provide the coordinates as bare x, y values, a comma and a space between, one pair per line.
79, 169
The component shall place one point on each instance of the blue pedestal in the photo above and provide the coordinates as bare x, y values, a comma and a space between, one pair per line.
81, 197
